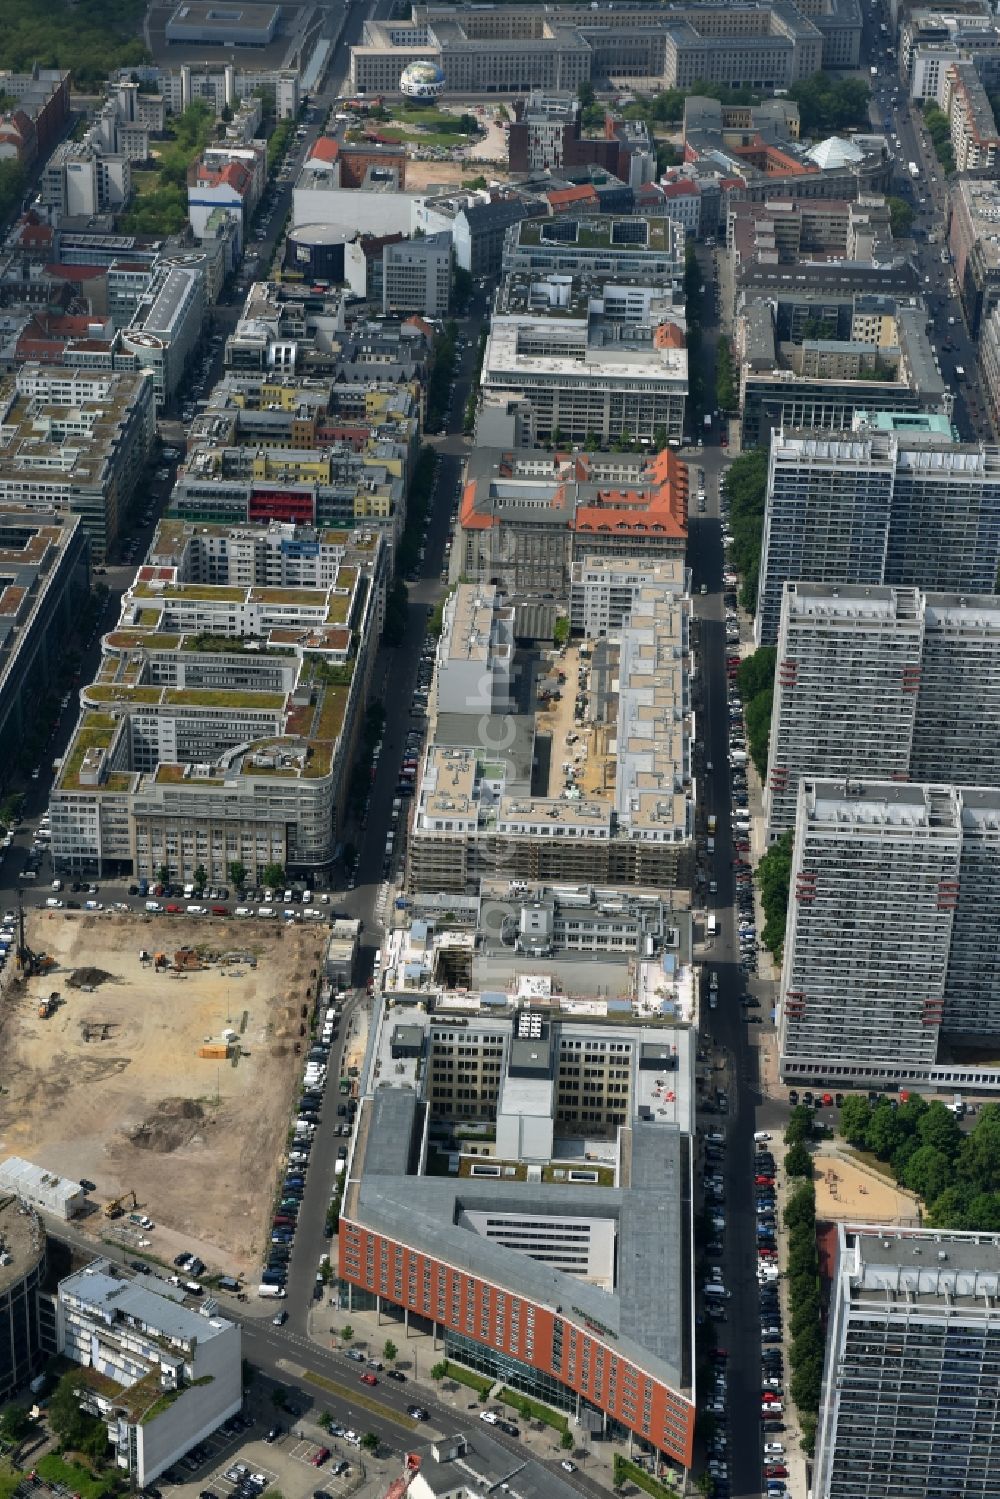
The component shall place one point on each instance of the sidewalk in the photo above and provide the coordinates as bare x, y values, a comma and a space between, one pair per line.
453, 1405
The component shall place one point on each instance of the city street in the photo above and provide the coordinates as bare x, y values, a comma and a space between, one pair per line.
927, 195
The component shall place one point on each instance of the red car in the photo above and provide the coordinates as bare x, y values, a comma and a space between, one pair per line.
368, 1379
776, 1470
320, 1456
763, 1181
173, 910
768, 1396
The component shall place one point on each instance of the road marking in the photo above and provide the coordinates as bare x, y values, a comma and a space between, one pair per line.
346, 1392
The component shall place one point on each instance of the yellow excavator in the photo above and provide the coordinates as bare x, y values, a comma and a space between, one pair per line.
126, 1200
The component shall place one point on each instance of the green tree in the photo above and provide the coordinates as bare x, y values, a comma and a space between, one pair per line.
389, 1351
238, 875
983, 1213
566, 1441
774, 876
592, 442
800, 1125
800, 1209
855, 1117
951, 1209
163, 874
979, 1154
807, 1383
938, 1127
798, 1161
746, 487
347, 1333
805, 1313
273, 876
15, 1423
827, 104
438, 1371
370, 1441
660, 439
201, 877
755, 675
69, 1423
560, 630
900, 216
885, 1132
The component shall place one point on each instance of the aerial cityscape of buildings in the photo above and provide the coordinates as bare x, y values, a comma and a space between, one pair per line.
499, 564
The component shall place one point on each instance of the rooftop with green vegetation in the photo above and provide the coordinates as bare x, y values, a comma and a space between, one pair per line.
594, 232
94, 732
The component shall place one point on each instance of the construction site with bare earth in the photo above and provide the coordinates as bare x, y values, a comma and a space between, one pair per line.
158, 1056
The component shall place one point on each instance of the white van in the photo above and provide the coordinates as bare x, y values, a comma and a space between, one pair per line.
761, 1134
718, 1292
270, 1290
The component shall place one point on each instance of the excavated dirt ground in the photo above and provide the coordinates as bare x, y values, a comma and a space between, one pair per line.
111, 1087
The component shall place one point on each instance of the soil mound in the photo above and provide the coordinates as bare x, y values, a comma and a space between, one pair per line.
174, 1123
89, 978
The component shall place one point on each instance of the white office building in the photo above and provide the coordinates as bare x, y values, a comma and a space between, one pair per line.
878, 506
167, 324
416, 276
909, 1403
162, 1375
475, 653
593, 357
886, 683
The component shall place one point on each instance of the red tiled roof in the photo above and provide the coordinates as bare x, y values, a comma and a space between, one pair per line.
681, 187
76, 272
668, 336
564, 197
325, 149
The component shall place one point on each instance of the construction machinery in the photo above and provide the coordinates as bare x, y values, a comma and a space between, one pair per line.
117, 1207
48, 1007
28, 962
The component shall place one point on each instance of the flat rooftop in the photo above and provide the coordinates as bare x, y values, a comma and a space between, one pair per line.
23, 1240
922, 1267
113, 1298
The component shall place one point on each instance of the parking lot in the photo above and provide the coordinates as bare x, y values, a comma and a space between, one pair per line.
239, 1465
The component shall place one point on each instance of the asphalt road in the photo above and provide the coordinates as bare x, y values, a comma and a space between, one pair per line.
725, 1035
927, 195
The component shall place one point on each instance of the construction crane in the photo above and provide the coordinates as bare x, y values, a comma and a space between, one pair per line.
117, 1207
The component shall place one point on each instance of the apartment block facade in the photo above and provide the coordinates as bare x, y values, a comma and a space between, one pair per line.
912, 1366
223, 716
886, 683
878, 506
75, 440
892, 953
577, 389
